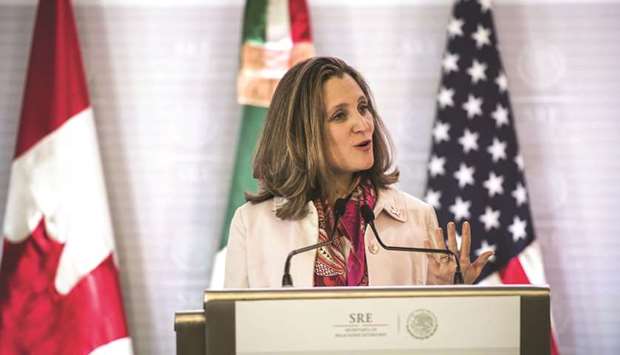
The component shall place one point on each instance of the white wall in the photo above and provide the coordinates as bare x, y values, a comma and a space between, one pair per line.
162, 82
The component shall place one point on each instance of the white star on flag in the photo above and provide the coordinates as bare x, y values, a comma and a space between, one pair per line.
476, 71
440, 132
432, 198
497, 150
469, 141
494, 184
500, 115
490, 218
460, 209
481, 36
473, 106
450, 63
520, 194
465, 175
436, 166
485, 5
455, 28
445, 97
502, 82
517, 228
519, 161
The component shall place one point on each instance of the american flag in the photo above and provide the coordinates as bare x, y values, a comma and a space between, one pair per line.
475, 171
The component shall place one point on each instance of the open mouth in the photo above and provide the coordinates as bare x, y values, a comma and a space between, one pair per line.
364, 144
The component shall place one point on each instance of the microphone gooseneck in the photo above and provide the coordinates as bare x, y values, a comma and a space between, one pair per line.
369, 217
339, 209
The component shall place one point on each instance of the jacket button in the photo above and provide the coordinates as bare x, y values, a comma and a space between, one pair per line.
373, 248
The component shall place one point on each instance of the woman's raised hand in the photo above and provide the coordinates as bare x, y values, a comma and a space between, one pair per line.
441, 267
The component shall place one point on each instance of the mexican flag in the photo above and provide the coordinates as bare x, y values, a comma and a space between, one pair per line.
276, 35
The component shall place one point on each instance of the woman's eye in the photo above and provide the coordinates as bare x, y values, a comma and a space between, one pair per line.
339, 116
363, 108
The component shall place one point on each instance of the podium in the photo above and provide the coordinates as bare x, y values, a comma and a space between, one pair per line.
469, 320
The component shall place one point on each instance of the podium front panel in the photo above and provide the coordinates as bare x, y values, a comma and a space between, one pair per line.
398, 320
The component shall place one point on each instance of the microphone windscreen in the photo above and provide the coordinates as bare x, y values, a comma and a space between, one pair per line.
339, 207
367, 213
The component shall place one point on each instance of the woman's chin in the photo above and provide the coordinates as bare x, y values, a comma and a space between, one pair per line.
366, 166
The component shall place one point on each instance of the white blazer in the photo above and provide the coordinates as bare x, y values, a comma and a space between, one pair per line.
259, 242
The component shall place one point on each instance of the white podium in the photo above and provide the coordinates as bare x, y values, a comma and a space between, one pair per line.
466, 320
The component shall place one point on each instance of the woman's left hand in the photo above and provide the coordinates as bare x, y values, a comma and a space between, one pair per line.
441, 267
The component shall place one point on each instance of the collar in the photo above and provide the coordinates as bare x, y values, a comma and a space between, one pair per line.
389, 200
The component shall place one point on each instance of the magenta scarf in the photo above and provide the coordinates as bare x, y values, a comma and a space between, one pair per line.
330, 267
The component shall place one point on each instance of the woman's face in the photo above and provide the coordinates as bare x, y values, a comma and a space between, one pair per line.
349, 126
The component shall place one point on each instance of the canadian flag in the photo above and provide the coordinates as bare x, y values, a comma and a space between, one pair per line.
59, 287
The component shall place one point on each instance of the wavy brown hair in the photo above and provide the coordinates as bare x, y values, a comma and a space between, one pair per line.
290, 159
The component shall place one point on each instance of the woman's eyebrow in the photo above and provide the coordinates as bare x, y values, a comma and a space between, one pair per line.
339, 106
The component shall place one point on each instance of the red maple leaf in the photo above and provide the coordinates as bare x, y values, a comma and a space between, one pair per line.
36, 319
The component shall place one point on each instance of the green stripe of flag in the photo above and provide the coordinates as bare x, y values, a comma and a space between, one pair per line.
264, 21
255, 21
251, 126
255, 31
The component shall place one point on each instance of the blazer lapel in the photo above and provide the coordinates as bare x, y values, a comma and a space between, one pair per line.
388, 200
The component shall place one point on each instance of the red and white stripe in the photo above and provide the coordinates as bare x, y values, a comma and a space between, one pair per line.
57, 212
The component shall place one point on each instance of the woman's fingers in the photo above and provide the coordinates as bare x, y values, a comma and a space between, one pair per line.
476, 267
439, 243
483, 259
465, 240
443, 269
431, 256
452, 237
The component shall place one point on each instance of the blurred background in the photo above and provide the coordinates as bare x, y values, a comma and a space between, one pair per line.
162, 79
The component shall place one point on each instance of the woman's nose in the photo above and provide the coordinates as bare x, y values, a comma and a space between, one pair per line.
362, 123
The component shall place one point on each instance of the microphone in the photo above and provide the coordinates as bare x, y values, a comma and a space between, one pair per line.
369, 217
339, 208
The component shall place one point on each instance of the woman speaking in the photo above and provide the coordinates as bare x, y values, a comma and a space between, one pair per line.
324, 149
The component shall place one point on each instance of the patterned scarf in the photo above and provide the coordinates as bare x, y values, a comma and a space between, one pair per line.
343, 263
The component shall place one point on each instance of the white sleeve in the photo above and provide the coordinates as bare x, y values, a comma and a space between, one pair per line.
431, 225
236, 271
